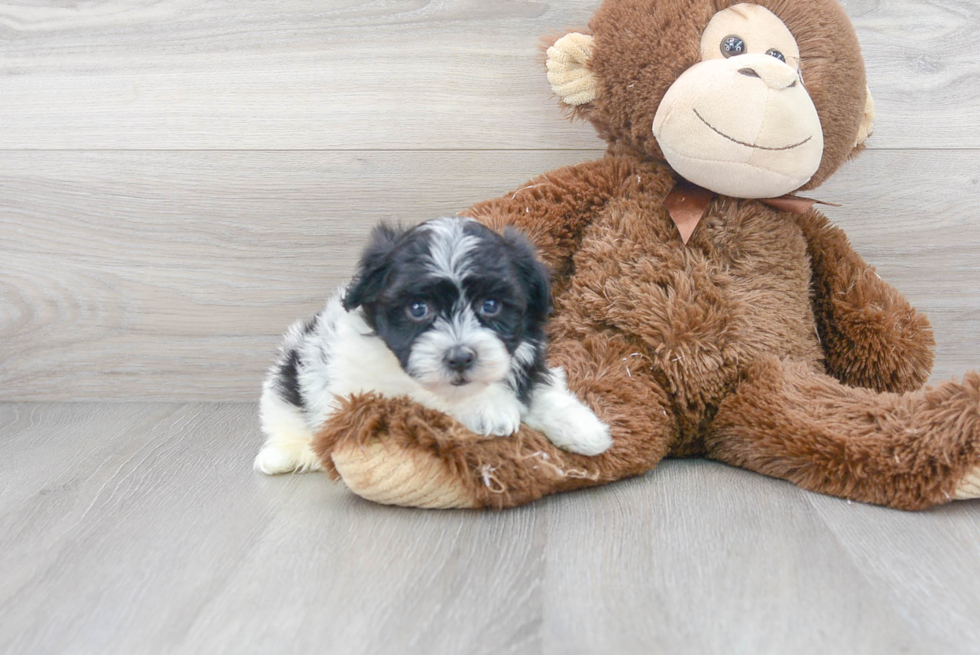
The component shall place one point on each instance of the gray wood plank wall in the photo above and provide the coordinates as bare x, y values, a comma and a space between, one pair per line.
181, 179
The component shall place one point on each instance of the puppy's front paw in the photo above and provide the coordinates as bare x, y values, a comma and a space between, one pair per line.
561, 416
496, 421
578, 430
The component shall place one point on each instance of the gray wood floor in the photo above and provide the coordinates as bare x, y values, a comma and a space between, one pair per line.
180, 179
139, 528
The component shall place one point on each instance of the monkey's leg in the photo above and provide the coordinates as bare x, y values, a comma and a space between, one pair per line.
908, 451
396, 452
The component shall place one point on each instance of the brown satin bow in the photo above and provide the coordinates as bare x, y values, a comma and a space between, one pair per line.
686, 204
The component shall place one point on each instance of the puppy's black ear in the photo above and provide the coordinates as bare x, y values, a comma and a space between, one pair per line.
372, 270
532, 273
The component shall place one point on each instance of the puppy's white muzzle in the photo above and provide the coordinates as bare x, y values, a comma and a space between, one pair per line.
458, 356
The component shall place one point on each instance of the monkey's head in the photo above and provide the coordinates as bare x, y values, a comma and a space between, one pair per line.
750, 100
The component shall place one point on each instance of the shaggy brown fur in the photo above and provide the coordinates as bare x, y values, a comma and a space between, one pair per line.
765, 342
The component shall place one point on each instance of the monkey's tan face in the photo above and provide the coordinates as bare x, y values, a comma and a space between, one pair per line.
740, 122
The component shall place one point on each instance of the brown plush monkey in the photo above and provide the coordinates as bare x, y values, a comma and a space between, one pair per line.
699, 311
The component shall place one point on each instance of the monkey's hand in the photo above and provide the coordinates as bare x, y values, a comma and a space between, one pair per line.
871, 336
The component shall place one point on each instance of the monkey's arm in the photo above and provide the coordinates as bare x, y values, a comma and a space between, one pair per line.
872, 337
554, 209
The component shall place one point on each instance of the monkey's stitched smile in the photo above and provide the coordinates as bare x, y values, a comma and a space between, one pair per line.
742, 143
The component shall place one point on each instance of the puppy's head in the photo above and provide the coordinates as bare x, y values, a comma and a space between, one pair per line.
459, 305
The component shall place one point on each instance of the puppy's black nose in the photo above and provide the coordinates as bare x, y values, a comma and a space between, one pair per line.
459, 359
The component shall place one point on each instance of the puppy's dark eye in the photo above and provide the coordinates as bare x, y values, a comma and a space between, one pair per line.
417, 311
777, 54
732, 45
490, 307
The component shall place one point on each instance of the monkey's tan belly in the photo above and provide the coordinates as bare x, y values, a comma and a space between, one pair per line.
707, 310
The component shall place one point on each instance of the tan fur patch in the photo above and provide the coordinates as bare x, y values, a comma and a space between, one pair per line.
868, 122
969, 487
568, 70
391, 475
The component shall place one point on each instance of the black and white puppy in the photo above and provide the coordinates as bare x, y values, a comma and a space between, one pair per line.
449, 313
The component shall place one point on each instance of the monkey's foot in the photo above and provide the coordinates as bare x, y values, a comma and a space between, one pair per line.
394, 452
393, 475
969, 486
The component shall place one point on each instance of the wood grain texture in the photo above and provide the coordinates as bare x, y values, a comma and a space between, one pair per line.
719, 560
140, 528
169, 276
406, 74
922, 70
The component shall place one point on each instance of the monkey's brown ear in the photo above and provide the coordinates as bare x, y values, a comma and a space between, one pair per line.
568, 69
868, 122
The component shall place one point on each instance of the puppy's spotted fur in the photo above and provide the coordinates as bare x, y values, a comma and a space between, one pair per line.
448, 313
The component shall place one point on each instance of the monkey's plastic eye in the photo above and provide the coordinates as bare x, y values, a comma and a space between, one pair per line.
490, 307
732, 45
777, 54
417, 311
